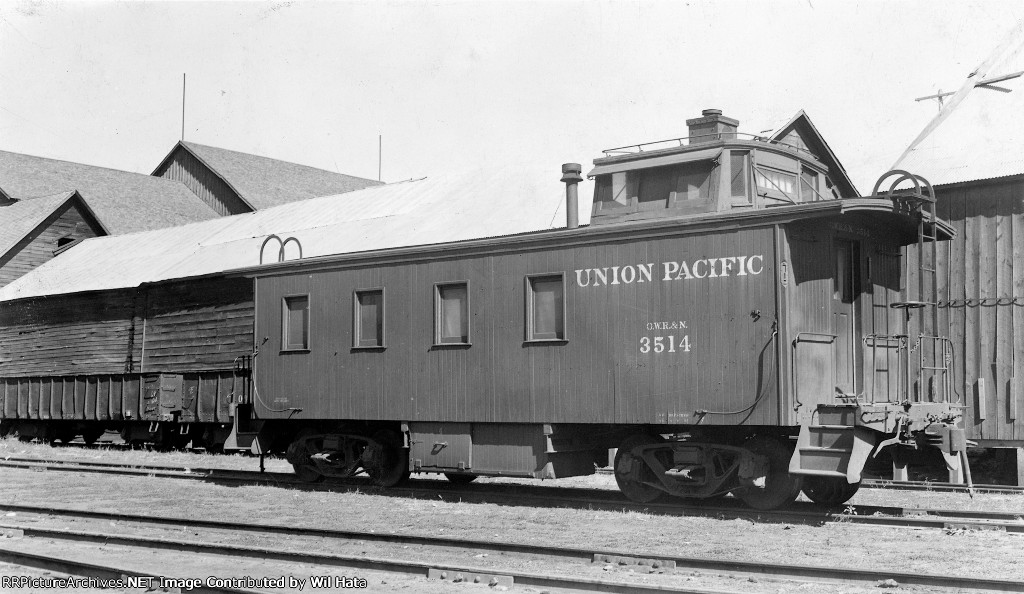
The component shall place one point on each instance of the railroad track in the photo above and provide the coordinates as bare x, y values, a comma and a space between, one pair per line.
868, 483
940, 487
32, 523
903, 517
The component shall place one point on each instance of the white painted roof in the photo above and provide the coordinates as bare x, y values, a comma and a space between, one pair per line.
473, 205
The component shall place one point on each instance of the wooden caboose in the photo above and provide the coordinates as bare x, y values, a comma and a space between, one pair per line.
730, 321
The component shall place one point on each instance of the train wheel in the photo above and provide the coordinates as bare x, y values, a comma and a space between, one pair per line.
91, 434
298, 455
460, 478
828, 490
632, 474
66, 436
386, 463
778, 487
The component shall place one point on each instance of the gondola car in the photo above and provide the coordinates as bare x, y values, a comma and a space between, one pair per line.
730, 321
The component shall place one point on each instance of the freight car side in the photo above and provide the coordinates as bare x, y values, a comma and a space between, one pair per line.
159, 364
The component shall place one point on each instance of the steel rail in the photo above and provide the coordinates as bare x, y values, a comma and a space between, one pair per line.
389, 565
72, 567
939, 487
901, 517
815, 514
723, 567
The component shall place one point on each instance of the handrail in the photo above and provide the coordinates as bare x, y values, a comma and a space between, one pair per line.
632, 149
282, 243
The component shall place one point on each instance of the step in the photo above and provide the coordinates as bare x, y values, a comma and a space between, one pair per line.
845, 416
823, 459
806, 472
830, 437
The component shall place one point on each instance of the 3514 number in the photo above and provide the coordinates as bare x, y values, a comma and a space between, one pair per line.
663, 344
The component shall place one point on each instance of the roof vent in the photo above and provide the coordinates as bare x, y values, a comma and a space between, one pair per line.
712, 126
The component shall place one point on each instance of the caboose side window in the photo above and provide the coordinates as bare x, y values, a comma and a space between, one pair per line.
368, 318
738, 173
686, 182
295, 323
451, 313
777, 185
809, 185
545, 307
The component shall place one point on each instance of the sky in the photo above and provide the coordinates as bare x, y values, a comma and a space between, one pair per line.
460, 86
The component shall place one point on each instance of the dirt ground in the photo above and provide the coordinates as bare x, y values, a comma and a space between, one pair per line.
993, 555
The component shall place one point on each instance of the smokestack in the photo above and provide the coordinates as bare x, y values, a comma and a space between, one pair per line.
571, 177
712, 126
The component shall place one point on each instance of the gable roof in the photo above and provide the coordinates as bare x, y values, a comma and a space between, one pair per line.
815, 142
473, 205
21, 218
122, 201
262, 182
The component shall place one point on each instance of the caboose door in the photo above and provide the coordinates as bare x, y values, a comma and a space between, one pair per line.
846, 320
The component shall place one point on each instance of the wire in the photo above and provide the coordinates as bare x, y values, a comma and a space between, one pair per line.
703, 413
256, 391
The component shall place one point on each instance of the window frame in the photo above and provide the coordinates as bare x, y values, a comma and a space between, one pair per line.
285, 345
746, 174
439, 340
814, 193
530, 337
356, 332
773, 192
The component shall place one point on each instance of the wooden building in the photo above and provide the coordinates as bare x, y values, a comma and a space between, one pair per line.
35, 231
193, 183
973, 161
47, 205
231, 182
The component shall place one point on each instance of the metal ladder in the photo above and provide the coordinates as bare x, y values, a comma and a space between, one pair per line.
933, 379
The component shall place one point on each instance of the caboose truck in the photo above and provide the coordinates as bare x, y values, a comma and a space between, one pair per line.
731, 321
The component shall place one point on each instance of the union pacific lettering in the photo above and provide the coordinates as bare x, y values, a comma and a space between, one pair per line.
671, 271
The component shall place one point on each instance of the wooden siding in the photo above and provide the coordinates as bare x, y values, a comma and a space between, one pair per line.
813, 336
66, 336
598, 375
170, 327
184, 167
37, 248
197, 325
981, 295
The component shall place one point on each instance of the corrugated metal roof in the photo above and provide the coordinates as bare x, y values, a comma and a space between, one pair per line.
19, 219
443, 209
264, 182
124, 202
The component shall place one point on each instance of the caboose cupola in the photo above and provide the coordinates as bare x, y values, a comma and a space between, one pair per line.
716, 168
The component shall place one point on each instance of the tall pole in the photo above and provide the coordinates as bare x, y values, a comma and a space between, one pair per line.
183, 106
380, 151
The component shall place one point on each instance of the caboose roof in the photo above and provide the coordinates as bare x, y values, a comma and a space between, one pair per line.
902, 227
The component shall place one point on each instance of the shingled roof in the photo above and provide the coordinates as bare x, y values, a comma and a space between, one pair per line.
21, 218
124, 202
262, 182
